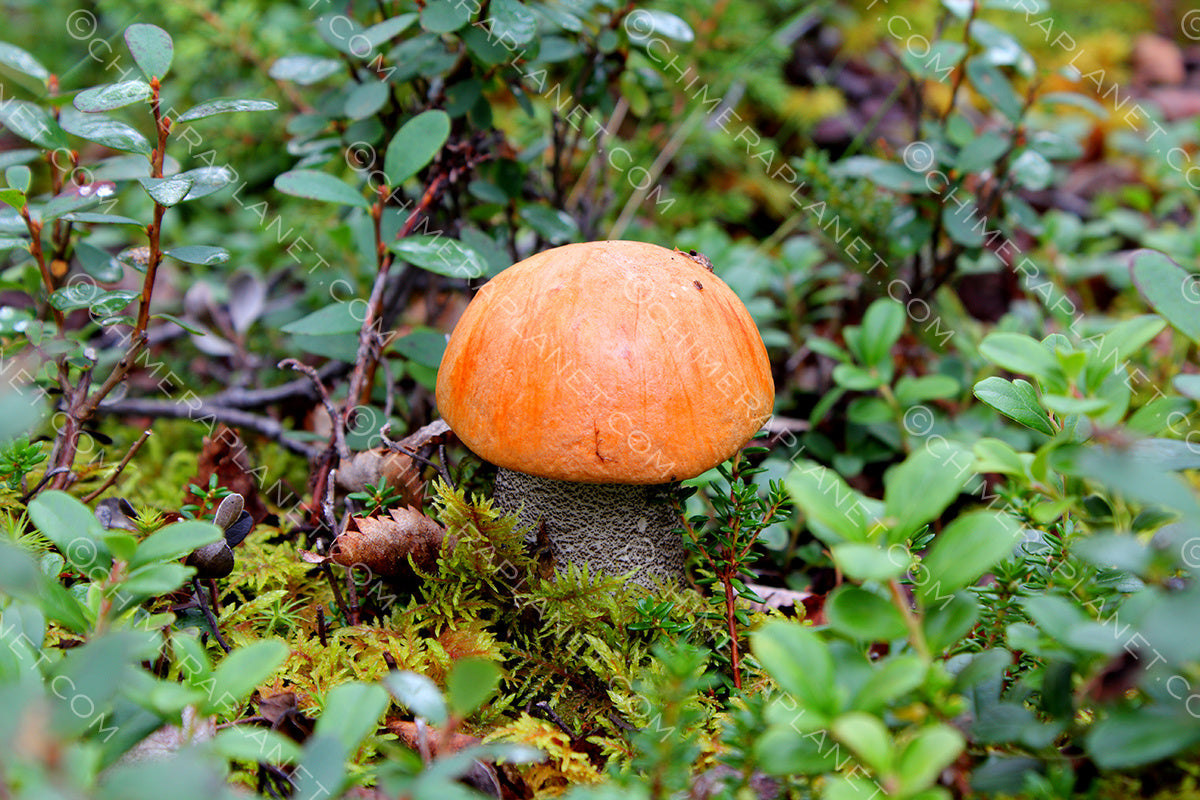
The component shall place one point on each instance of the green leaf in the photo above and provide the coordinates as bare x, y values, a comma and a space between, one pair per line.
881, 328
75, 198
797, 659
320, 186
250, 743
241, 671
224, 105
918, 490
948, 617
106, 131
302, 69
470, 683
207, 180
445, 16
867, 737
993, 455
852, 787
911, 391
351, 712
21, 578
81, 294
895, 677
1076, 100
199, 254
1019, 353
934, 62
869, 562
824, 497
102, 219
366, 99
150, 580
441, 255
418, 694
112, 302
1016, 400
990, 82
856, 378
74, 530
343, 34
964, 224
175, 541
186, 325
414, 146
1137, 737
13, 197
921, 761
151, 48
1032, 171
1065, 405
964, 550
860, 614
869, 411
511, 22
15, 58
424, 347
643, 24
1169, 289
553, 225
167, 191
1125, 339
96, 670
18, 177
112, 95
334, 319
14, 320
886, 174
1187, 385
783, 750
981, 152
32, 123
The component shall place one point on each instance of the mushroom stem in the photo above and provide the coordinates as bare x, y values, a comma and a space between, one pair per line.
613, 528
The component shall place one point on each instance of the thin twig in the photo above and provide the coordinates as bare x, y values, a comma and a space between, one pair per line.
339, 433
200, 410
45, 479
202, 601
92, 495
397, 447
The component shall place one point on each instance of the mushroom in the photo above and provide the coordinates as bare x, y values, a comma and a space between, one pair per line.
597, 376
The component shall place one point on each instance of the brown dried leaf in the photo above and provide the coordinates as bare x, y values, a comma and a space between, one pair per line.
384, 544
282, 711
366, 468
224, 455
438, 743
436, 432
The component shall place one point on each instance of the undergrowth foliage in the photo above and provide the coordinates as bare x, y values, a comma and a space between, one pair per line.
961, 563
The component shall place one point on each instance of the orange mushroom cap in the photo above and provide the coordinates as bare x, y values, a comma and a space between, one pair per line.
606, 362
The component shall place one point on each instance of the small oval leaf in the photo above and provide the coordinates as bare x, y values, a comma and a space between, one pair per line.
112, 95
321, 186
224, 105
151, 48
104, 130
199, 254
415, 145
167, 191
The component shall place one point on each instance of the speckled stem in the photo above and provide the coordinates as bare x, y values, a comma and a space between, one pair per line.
614, 528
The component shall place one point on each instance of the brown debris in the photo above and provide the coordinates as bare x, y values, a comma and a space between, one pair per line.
1157, 61
384, 544
438, 743
224, 455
